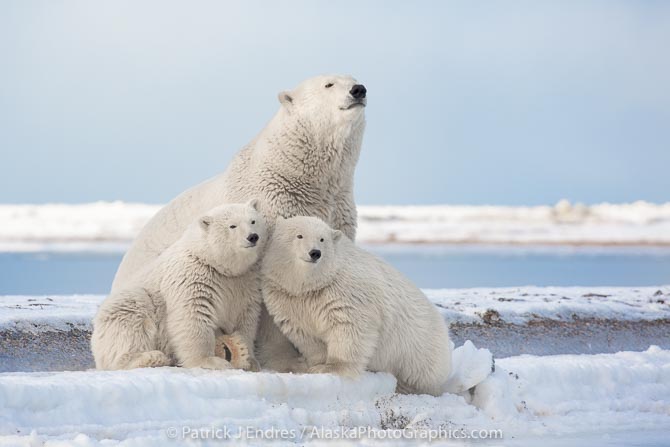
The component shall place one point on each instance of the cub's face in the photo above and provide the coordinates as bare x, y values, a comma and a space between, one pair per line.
327, 100
233, 236
307, 245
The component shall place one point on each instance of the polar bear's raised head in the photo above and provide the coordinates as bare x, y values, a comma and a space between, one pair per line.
303, 254
329, 103
230, 237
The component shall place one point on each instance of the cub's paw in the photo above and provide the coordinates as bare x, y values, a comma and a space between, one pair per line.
213, 363
299, 366
254, 365
235, 350
296, 365
339, 369
320, 369
148, 359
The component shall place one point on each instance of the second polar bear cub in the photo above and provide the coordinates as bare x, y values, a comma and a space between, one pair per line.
347, 311
203, 286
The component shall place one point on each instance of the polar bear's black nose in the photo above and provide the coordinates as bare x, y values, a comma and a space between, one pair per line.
315, 254
358, 91
253, 238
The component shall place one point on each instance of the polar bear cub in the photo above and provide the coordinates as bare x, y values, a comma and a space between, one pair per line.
204, 285
348, 311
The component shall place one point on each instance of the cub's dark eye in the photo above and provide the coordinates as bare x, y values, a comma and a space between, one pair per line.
321, 239
329, 85
300, 236
232, 227
253, 222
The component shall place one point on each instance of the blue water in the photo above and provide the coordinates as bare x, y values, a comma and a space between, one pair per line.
428, 266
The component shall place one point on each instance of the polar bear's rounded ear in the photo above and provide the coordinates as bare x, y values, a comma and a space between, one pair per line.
253, 203
205, 222
285, 98
337, 235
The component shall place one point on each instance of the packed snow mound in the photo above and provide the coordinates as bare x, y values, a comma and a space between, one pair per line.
527, 397
603, 392
471, 366
110, 226
123, 402
516, 305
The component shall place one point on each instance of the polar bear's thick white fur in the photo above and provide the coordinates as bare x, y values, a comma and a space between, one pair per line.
348, 311
302, 163
203, 285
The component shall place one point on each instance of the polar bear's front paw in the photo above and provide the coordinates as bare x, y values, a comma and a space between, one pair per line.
299, 366
340, 369
212, 363
254, 366
235, 350
320, 369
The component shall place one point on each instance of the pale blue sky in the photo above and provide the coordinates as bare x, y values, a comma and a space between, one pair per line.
469, 102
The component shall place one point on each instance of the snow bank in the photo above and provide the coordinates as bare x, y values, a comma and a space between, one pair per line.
527, 398
581, 393
108, 226
112, 225
564, 223
101, 403
48, 313
517, 305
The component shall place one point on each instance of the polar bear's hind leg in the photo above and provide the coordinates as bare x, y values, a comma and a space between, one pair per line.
147, 359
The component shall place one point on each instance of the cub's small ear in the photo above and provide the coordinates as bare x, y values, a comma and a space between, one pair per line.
337, 235
205, 222
253, 203
285, 98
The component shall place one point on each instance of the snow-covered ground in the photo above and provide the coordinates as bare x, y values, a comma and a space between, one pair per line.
607, 399
601, 399
518, 305
110, 226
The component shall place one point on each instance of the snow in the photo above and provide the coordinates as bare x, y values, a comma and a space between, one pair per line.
110, 226
626, 390
517, 305
603, 224
611, 399
106, 226
48, 313
527, 398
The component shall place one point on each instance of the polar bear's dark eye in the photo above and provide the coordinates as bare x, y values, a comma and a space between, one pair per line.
329, 85
253, 222
300, 236
232, 227
321, 239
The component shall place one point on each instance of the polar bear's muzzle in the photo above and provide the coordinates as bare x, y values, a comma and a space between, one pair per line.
313, 256
357, 93
355, 103
252, 239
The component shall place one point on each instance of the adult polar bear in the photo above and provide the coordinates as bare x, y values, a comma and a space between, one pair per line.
302, 163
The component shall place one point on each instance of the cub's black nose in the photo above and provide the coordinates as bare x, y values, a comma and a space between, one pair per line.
358, 91
315, 254
253, 238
